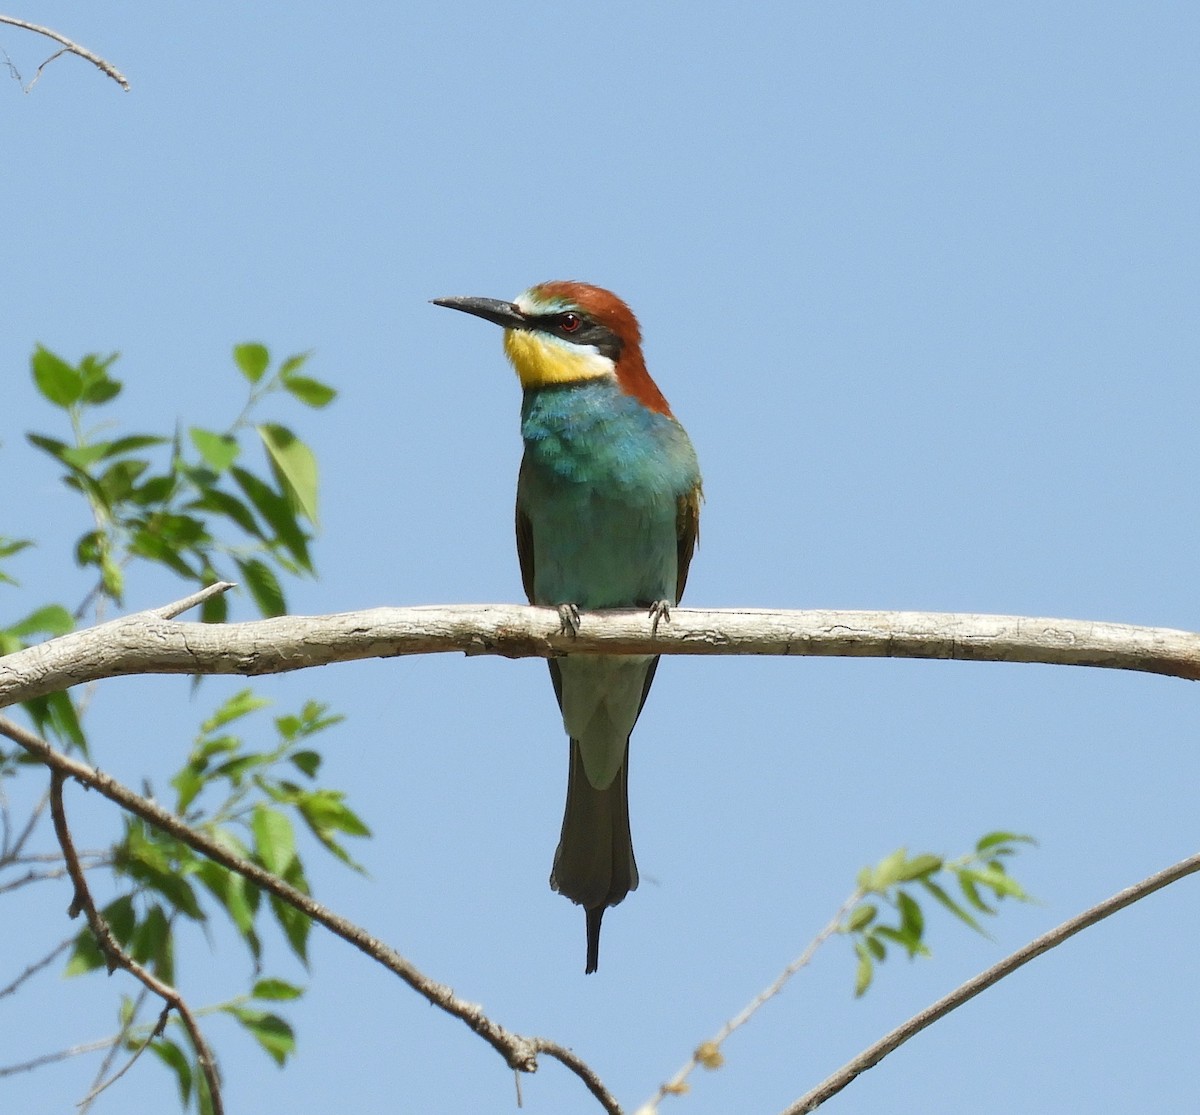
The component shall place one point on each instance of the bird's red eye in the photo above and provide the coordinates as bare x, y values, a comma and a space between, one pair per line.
569, 323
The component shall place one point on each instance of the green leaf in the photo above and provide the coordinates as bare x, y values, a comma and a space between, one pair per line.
994, 838
1004, 885
307, 761
885, 873
218, 450
156, 490
55, 714
911, 918
958, 911
128, 444
98, 386
150, 543
269, 1030
860, 917
118, 480
158, 863
276, 510
264, 586
327, 814
293, 364
214, 610
295, 465
242, 703
228, 505
85, 956
919, 866
153, 943
274, 839
252, 360
112, 578
173, 1057
56, 449
52, 620
82, 456
311, 392
971, 893
58, 382
275, 989
864, 971
296, 926
188, 783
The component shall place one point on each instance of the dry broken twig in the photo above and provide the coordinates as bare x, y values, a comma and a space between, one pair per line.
68, 47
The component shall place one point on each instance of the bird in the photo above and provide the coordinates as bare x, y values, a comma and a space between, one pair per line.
607, 516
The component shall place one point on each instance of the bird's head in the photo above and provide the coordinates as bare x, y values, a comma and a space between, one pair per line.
569, 332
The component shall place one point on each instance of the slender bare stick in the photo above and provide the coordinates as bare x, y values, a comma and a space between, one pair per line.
52, 1058
709, 1053
518, 1051
37, 966
68, 47
869, 1058
101, 1082
115, 956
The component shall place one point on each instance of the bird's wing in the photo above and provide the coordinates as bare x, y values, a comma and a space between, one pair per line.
687, 532
524, 543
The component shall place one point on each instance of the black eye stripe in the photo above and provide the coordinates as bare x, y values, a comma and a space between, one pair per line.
587, 332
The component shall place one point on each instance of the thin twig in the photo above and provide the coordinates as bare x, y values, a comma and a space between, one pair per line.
582, 1069
178, 607
32, 876
52, 1058
68, 47
709, 1053
116, 957
100, 1084
519, 1052
869, 1058
37, 966
12, 850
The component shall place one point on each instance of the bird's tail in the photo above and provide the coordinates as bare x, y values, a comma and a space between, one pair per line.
594, 864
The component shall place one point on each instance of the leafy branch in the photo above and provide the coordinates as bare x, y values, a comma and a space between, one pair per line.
891, 880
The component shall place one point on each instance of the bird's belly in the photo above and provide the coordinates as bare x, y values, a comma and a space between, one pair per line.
602, 553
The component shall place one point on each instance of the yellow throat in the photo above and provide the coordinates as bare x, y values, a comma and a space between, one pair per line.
542, 360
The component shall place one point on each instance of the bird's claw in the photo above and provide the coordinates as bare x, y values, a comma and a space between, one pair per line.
659, 610
568, 619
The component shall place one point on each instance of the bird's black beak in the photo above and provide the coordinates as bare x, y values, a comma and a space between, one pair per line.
490, 309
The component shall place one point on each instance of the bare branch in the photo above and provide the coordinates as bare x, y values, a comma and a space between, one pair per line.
32, 876
103, 1081
580, 1068
68, 47
115, 956
148, 643
709, 1053
37, 966
869, 1058
52, 1058
10, 850
519, 1052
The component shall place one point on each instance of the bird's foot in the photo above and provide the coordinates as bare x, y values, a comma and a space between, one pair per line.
568, 619
659, 610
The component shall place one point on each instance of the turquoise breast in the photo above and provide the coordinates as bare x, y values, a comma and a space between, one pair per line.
600, 482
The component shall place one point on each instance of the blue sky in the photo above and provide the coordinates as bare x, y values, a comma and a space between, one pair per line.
920, 280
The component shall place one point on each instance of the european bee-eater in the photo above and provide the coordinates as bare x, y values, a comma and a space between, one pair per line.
608, 510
